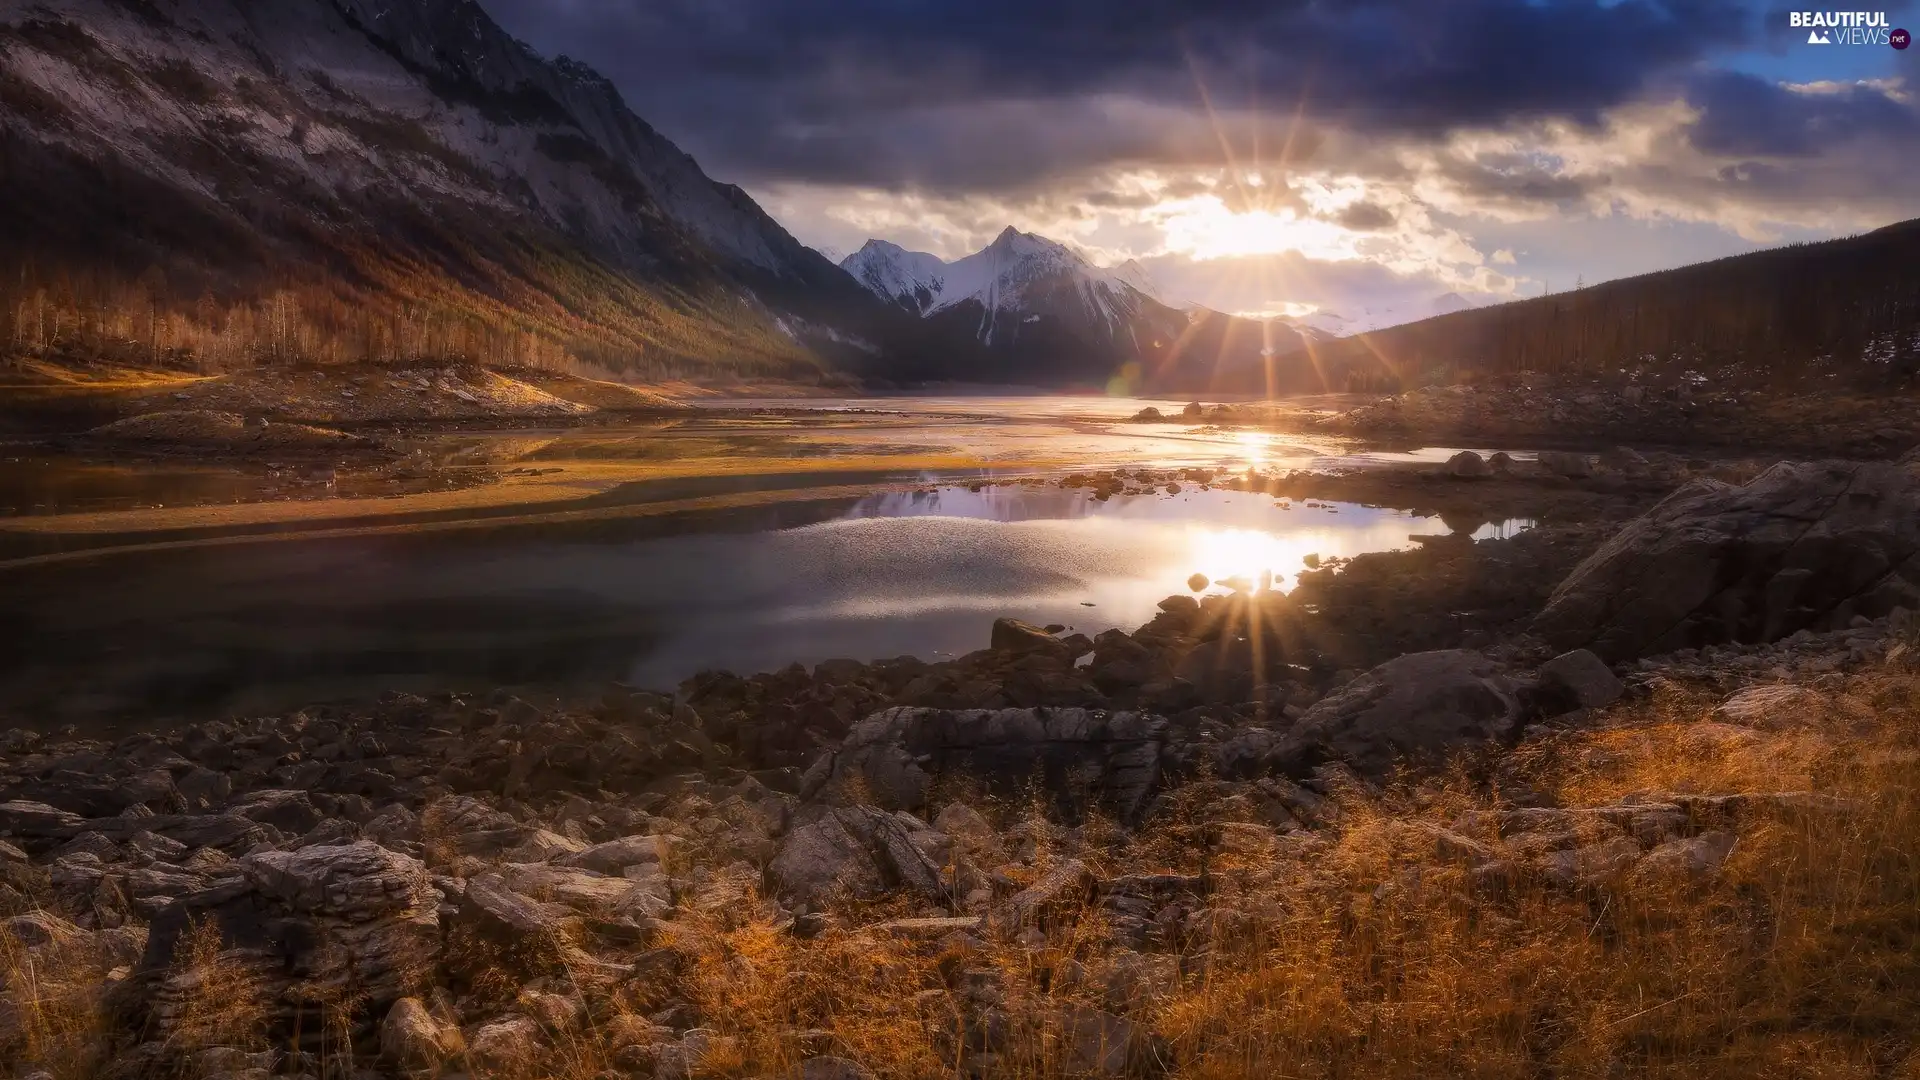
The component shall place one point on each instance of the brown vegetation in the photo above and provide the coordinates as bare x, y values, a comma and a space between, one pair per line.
1366, 949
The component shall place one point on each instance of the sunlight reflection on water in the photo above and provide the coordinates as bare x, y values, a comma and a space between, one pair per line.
925, 572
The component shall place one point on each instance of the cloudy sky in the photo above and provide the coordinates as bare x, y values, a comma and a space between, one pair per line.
1282, 156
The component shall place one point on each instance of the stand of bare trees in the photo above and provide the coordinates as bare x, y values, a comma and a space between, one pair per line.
1844, 311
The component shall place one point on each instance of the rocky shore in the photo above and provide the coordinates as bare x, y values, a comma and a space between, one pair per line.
1051, 857
1548, 412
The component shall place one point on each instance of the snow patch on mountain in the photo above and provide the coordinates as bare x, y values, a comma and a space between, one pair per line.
912, 279
1019, 275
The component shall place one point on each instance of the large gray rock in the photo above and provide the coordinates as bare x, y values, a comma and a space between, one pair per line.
1802, 546
1414, 707
853, 851
1012, 635
1116, 757
416, 1041
616, 855
327, 922
1582, 678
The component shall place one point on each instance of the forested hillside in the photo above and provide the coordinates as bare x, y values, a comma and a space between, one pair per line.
1839, 313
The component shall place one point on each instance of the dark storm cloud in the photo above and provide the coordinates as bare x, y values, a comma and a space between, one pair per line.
1516, 180
1743, 116
1004, 94
1365, 217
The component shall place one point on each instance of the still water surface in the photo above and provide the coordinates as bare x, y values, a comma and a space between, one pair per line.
921, 572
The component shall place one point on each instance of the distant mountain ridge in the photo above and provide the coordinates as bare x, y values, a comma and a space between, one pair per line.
1839, 313
1042, 312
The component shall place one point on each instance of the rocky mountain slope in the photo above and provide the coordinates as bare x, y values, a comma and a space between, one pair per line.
385, 171
1041, 313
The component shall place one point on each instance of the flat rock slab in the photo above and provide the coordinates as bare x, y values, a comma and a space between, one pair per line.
928, 928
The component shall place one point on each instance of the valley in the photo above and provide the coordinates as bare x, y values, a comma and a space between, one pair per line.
491, 598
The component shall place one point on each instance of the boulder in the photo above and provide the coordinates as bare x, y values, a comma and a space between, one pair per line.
510, 1044
1112, 757
856, 851
1590, 865
1012, 635
1802, 546
1691, 858
1418, 706
1467, 465
290, 811
414, 1040
615, 856
1226, 669
352, 920
1582, 679
494, 905
1059, 893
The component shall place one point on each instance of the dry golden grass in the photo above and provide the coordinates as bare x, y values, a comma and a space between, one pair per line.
218, 995
52, 1013
1365, 952
1375, 957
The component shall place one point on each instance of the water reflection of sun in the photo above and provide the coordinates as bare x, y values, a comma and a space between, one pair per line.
1256, 448
1247, 553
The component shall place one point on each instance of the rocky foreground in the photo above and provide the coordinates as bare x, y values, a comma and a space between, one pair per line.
1665, 823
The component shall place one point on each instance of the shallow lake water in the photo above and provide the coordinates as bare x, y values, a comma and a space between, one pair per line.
921, 572
930, 437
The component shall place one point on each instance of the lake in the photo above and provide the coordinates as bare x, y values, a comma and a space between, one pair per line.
770, 539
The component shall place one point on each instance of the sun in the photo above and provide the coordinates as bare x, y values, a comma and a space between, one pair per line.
1262, 559
1204, 227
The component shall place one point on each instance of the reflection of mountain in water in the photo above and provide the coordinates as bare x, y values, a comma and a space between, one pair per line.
988, 504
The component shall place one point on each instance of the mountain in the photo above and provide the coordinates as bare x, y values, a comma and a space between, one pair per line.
1042, 314
1841, 313
911, 279
1448, 303
391, 177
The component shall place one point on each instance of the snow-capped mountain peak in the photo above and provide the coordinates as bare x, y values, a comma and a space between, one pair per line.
1009, 275
912, 279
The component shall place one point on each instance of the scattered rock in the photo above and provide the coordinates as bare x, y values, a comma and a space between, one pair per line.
1114, 756
1467, 465
1583, 678
413, 1039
